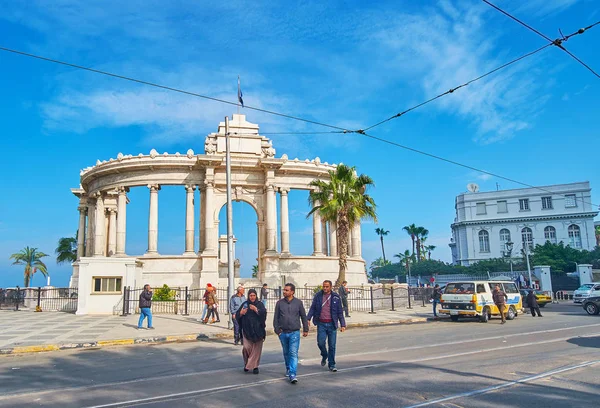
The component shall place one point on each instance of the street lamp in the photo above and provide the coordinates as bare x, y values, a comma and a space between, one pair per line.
508, 254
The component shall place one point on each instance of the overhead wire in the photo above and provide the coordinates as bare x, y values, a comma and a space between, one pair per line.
557, 42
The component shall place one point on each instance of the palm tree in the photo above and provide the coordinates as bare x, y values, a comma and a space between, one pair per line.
66, 251
381, 232
412, 231
342, 199
379, 262
421, 234
255, 271
428, 249
405, 258
31, 258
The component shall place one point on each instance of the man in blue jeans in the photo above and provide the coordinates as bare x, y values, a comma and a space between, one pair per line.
326, 311
437, 296
145, 307
289, 312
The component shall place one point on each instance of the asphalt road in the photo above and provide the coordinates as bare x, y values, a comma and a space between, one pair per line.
551, 361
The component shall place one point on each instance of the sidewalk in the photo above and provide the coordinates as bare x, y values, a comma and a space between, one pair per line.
26, 332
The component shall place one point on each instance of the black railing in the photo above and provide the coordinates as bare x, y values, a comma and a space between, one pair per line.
39, 299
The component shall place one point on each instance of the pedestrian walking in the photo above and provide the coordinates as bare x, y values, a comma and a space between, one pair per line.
500, 298
234, 305
204, 297
289, 313
251, 318
146, 307
437, 296
212, 304
264, 293
533, 305
326, 311
343, 292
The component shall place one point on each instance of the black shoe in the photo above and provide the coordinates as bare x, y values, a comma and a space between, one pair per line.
333, 369
246, 370
540, 316
255, 371
293, 380
323, 361
217, 321
348, 316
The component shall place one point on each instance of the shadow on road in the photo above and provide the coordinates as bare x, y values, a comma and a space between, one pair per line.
593, 342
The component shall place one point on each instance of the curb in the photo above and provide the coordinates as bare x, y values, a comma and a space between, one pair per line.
185, 338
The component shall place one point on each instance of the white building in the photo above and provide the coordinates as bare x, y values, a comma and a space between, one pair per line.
486, 221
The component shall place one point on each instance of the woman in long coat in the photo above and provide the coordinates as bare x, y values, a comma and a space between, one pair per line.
252, 316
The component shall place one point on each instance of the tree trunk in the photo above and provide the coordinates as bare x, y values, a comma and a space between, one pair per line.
383, 250
418, 250
413, 242
342, 241
27, 276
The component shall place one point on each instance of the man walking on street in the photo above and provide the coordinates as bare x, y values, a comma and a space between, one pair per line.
145, 307
326, 310
289, 313
533, 304
234, 305
343, 292
437, 296
264, 292
500, 298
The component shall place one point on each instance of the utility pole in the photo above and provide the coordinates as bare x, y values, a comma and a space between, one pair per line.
526, 244
230, 270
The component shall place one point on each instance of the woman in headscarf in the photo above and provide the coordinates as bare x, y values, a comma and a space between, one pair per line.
252, 316
212, 304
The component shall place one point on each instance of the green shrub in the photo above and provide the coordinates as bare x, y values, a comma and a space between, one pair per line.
164, 294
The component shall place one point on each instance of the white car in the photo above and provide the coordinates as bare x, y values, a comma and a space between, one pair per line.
586, 290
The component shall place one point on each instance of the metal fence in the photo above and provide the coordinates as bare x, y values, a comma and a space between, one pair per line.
361, 299
39, 299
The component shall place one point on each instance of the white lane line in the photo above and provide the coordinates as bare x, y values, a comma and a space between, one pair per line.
505, 385
339, 356
180, 395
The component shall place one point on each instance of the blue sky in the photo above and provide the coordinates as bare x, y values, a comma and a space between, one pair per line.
347, 63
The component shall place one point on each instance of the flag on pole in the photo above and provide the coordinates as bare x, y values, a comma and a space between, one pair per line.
240, 100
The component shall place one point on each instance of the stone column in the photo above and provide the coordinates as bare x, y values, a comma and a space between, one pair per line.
355, 234
81, 232
317, 238
285, 221
271, 219
99, 228
324, 237
153, 219
189, 219
209, 218
202, 220
112, 231
121, 220
91, 223
333, 238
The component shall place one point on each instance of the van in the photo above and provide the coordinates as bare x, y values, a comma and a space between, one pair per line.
586, 290
474, 299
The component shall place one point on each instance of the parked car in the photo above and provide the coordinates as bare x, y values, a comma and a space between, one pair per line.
592, 305
586, 290
542, 298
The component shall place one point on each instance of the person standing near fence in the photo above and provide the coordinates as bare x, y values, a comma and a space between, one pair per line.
326, 310
437, 296
251, 317
289, 313
533, 305
205, 299
234, 305
500, 299
343, 292
213, 304
146, 307
264, 292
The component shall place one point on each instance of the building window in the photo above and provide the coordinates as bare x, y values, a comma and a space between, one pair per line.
504, 238
502, 207
481, 209
574, 236
524, 204
550, 234
527, 237
484, 241
570, 201
107, 284
546, 203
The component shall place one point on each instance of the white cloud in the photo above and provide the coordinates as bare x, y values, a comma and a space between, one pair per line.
543, 8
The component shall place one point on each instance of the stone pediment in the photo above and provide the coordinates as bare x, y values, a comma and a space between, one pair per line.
244, 140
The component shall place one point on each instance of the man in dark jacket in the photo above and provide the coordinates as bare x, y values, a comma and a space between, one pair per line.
500, 298
326, 310
145, 307
437, 296
533, 304
343, 292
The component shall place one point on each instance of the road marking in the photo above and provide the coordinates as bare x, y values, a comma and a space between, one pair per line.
213, 390
224, 370
506, 384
